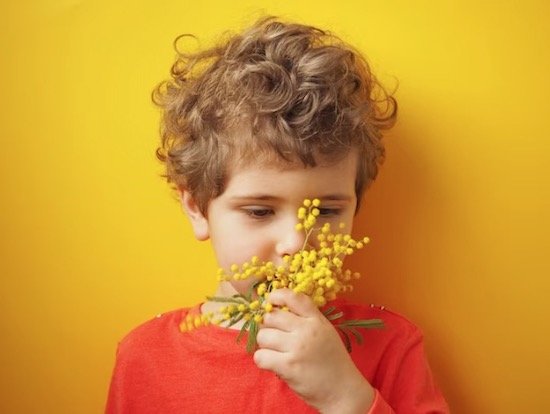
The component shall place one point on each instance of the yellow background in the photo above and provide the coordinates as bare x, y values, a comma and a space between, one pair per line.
93, 242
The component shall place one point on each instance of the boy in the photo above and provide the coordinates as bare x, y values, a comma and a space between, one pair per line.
278, 114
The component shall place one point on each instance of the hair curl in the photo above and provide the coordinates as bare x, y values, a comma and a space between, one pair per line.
278, 88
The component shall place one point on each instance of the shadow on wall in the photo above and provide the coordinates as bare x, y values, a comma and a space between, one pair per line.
403, 213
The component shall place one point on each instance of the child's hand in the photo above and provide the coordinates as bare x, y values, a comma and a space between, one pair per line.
303, 348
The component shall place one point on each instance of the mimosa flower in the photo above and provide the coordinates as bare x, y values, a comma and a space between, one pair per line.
315, 272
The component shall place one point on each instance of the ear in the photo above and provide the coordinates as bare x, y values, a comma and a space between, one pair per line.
198, 221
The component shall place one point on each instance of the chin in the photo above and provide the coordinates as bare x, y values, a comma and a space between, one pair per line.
241, 286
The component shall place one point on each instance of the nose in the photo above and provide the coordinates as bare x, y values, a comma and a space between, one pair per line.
289, 240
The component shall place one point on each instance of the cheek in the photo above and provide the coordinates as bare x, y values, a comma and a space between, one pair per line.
242, 286
240, 248
349, 225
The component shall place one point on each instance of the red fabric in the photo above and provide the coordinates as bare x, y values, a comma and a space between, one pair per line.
161, 370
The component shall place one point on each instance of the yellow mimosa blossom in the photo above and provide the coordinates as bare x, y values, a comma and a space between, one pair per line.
314, 271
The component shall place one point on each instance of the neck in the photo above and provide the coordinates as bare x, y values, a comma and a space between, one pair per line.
224, 289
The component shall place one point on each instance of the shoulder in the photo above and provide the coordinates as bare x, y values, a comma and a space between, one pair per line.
393, 360
397, 334
385, 354
392, 320
151, 333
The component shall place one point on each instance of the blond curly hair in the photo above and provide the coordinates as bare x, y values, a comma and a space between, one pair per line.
277, 90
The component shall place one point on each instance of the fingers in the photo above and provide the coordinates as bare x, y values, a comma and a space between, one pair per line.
297, 303
269, 359
281, 320
274, 344
273, 339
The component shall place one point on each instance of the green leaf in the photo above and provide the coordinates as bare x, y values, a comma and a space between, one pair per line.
347, 342
235, 318
252, 334
335, 316
224, 299
243, 330
363, 323
329, 310
357, 335
351, 327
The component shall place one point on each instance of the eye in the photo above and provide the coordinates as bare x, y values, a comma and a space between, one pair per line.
258, 213
329, 212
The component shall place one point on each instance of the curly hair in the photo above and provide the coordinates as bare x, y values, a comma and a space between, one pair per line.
278, 90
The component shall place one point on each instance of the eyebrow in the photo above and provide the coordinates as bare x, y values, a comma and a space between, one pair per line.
255, 197
336, 197
267, 197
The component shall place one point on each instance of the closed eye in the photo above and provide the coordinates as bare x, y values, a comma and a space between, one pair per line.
329, 212
258, 213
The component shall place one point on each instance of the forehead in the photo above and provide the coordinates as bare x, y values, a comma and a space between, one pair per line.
275, 174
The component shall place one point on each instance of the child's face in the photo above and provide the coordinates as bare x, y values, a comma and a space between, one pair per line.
256, 214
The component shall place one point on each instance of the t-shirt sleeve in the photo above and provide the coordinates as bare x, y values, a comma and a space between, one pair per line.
411, 388
132, 374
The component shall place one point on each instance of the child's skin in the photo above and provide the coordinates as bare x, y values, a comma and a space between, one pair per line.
256, 216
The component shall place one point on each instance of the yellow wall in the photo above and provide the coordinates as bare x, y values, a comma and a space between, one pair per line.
93, 243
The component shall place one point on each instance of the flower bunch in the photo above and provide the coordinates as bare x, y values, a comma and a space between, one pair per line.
314, 271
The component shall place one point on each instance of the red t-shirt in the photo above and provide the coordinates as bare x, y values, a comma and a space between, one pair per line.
162, 370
